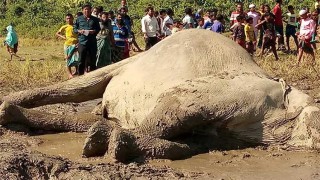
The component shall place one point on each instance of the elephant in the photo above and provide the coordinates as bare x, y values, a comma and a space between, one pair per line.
195, 84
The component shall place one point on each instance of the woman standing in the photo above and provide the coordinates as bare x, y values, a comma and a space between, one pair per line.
105, 41
11, 41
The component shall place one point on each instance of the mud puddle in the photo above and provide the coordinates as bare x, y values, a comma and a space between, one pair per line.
66, 145
248, 163
251, 164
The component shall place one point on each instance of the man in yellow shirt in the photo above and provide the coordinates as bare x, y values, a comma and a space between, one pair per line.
70, 45
250, 35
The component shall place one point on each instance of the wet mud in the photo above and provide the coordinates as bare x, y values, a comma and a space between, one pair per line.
47, 155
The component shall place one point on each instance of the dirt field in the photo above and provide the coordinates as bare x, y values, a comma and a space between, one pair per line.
58, 156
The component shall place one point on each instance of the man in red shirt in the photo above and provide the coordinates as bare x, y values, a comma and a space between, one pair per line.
278, 24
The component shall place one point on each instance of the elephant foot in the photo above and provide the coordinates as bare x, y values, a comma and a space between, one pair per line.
8, 113
126, 146
97, 141
123, 145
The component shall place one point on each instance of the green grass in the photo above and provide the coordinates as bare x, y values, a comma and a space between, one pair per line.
43, 65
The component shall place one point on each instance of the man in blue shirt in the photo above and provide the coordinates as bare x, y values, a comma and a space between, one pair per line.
87, 27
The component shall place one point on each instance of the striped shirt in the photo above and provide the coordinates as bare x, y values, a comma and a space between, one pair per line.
120, 36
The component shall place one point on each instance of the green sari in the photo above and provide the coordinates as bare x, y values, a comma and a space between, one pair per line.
104, 54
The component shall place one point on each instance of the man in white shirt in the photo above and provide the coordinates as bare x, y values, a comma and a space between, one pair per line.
255, 16
167, 23
150, 28
188, 21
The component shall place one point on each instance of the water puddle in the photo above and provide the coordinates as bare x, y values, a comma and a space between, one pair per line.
66, 145
247, 163
251, 164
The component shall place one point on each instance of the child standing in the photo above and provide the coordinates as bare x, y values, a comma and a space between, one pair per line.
269, 34
200, 23
250, 35
307, 28
70, 45
176, 26
217, 25
120, 36
238, 32
291, 27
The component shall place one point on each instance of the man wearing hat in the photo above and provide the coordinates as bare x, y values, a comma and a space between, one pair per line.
307, 28
255, 17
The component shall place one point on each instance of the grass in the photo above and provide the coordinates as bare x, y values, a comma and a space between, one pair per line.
44, 65
285, 67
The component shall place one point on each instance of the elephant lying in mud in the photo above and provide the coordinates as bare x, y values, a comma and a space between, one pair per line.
194, 82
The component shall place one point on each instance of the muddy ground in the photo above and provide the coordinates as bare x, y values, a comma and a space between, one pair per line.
40, 155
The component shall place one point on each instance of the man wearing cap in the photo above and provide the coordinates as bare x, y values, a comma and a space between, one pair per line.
255, 17
278, 24
307, 28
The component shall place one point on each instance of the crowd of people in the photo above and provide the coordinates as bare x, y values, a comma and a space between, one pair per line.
95, 38
265, 29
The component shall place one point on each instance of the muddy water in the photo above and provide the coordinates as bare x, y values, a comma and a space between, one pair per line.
235, 164
66, 145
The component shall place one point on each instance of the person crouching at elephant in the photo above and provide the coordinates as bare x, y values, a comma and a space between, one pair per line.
120, 36
105, 41
11, 41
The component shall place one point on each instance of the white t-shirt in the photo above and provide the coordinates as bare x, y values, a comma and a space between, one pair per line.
255, 16
292, 19
186, 21
166, 30
149, 26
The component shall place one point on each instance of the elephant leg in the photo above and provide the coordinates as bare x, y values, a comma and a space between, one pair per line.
125, 146
80, 89
306, 131
97, 141
45, 121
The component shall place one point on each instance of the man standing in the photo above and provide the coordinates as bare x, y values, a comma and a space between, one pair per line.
87, 28
150, 28
278, 24
239, 11
255, 17
168, 23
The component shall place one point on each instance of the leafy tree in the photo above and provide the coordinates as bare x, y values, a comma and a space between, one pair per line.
42, 18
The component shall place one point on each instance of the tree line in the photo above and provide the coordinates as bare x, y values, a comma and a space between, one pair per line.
42, 18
